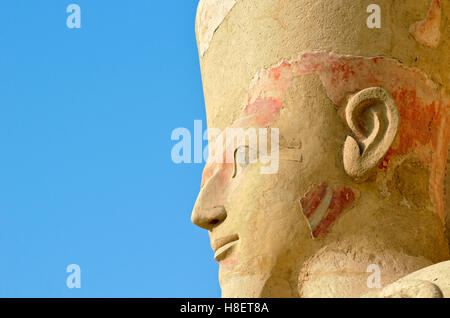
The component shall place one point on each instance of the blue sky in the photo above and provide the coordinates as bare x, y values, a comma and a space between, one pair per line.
86, 175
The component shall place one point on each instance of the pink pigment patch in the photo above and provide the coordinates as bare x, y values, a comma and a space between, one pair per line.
218, 177
265, 110
427, 32
229, 264
322, 212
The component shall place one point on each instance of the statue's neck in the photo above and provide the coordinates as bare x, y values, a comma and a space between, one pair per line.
377, 244
380, 243
345, 272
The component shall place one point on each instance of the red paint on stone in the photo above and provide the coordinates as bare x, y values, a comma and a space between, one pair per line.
313, 198
342, 199
423, 131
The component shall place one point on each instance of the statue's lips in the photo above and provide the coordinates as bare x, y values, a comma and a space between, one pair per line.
223, 245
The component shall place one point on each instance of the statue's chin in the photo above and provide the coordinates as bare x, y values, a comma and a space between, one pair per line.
243, 287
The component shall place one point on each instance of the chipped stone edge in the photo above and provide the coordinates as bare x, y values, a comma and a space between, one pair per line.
210, 15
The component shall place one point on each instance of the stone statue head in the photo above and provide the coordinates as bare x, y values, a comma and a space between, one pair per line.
339, 140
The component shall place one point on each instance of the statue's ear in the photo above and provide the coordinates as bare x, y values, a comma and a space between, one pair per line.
373, 118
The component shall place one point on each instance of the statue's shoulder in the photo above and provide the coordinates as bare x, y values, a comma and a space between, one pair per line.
438, 274
429, 282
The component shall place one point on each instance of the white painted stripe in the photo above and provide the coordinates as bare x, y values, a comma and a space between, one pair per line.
321, 210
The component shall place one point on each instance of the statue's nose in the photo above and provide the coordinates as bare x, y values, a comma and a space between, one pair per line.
209, 211
208, 218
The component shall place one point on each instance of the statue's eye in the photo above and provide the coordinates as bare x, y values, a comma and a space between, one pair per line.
243, 156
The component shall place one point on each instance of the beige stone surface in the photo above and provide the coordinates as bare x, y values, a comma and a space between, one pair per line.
211, 13
363, 120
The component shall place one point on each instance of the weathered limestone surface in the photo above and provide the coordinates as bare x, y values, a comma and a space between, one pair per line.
363, 118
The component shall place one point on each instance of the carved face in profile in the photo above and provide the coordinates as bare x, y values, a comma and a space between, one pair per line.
345, 131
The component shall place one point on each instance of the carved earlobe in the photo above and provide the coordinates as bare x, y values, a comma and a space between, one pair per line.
373, 118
